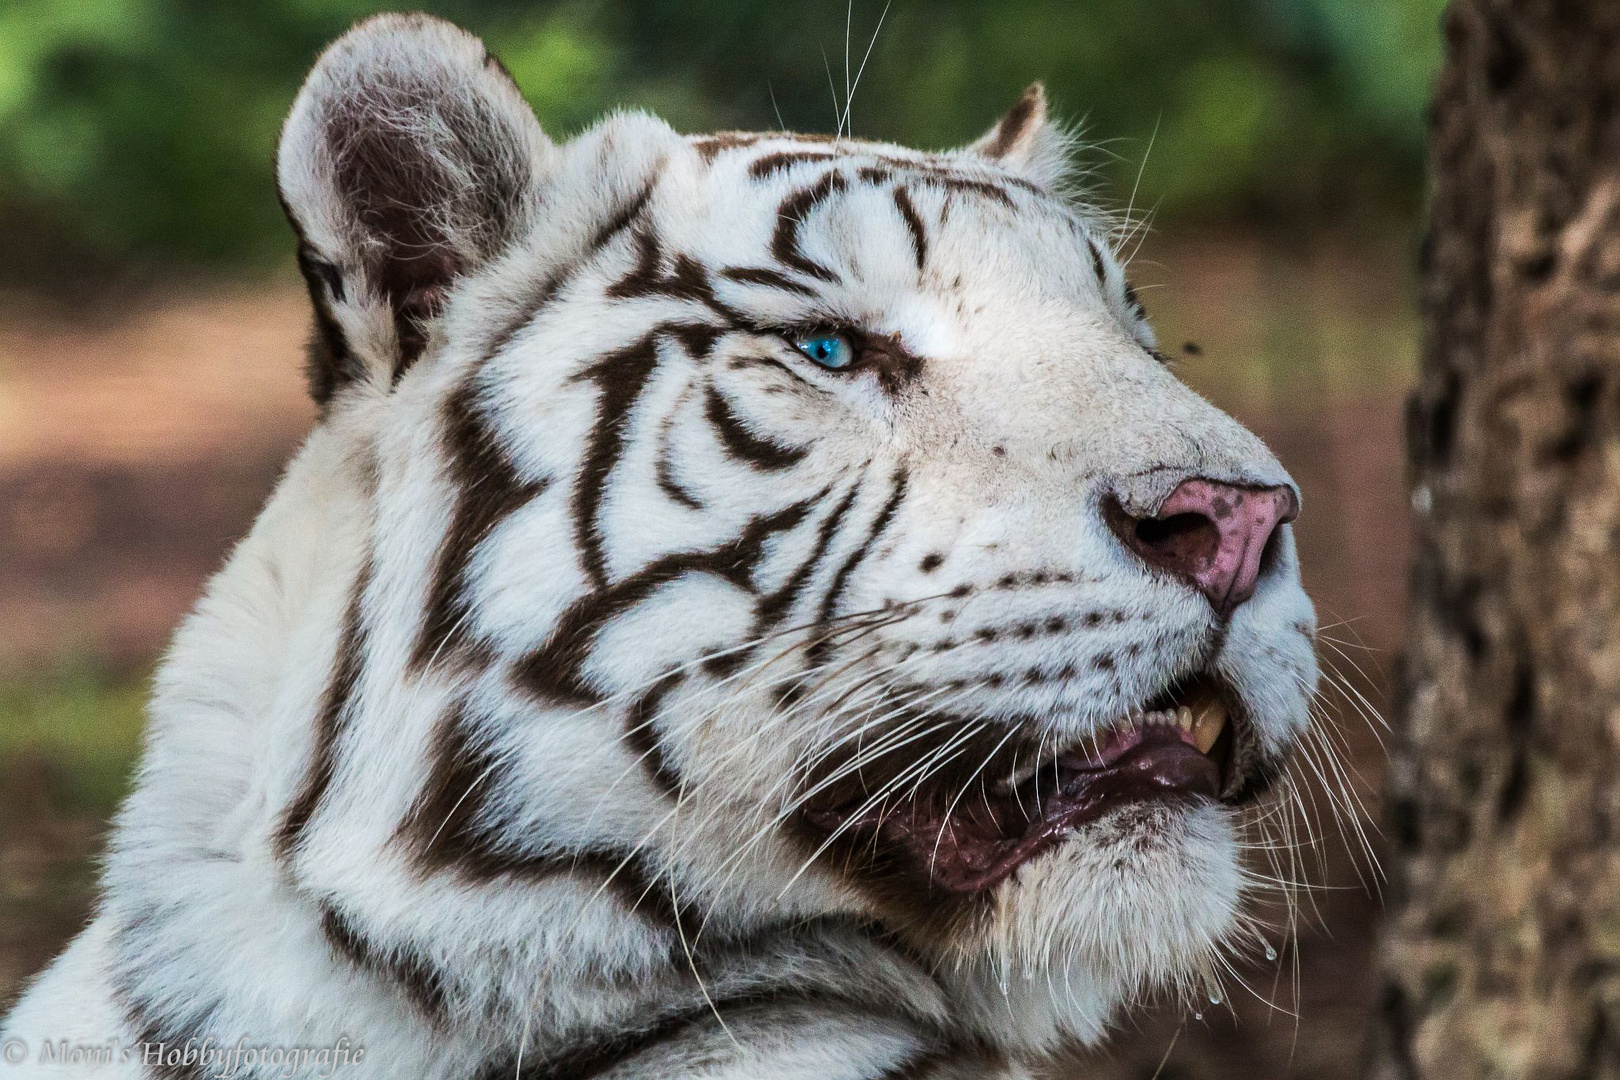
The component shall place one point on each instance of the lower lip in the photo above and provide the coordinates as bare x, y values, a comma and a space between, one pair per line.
1157, 771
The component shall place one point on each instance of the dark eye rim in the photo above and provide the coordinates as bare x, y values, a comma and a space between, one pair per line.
855, 347
860, 342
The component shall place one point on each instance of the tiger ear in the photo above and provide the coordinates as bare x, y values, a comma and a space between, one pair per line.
1026, 140
409, 160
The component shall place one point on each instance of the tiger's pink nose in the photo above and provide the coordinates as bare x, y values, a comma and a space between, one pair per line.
1210, 534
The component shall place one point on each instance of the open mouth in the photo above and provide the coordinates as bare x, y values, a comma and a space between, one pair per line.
1180, 746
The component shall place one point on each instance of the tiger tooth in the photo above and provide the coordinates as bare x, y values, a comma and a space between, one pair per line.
1208, 725
1184, 718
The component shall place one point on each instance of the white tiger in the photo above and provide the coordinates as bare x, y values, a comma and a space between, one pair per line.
753, 605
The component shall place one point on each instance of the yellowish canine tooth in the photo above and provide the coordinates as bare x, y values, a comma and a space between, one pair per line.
1208, 725
1184, 718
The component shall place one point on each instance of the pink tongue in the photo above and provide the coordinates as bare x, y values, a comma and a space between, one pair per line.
1119, 741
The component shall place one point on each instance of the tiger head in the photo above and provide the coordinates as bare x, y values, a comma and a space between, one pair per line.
778, 527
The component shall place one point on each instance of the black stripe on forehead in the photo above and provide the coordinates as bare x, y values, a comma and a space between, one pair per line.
710, 147
961, 186
791, 215
685, 279
928, 174
782, 160
796, 208
914, 225
625, 217
939, 174
762, 275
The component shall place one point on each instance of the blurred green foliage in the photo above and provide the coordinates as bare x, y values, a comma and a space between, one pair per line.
85, 727
142, 130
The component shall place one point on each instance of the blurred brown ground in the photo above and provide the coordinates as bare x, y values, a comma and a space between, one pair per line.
137, 443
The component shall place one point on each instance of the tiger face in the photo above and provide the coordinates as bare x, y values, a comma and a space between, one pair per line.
778, 527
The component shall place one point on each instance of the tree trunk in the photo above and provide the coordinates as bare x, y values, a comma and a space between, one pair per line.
1501, 954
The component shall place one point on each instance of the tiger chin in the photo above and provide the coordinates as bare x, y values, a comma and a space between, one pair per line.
752, 604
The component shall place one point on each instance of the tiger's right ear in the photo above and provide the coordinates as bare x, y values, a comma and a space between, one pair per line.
1026, 139
409, 160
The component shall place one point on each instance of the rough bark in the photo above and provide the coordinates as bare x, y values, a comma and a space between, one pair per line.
1501, 955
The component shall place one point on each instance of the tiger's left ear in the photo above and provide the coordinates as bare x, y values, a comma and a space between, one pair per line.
1026, 140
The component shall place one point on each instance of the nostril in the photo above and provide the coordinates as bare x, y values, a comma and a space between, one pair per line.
1216, 536
1179, 543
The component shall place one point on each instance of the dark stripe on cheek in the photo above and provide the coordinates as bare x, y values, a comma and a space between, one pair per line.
667, 483
641, 735
914, 225
620, 378
597, 1056
773, 607
840, 583
488, 490
330, 720
443, 827
555, 674
448, 830
743, 444
420, 981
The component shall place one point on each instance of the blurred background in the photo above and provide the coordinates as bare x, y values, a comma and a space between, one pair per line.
151, 331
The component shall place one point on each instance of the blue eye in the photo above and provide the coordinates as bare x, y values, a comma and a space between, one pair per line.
833, 351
